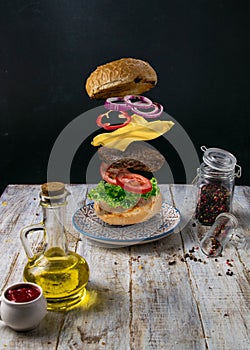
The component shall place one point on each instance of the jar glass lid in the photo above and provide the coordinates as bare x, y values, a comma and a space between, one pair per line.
219, 159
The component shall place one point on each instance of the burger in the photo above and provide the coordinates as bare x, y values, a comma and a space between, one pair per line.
128, 192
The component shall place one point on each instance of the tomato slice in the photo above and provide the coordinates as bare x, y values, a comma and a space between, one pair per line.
133, 182
109, 174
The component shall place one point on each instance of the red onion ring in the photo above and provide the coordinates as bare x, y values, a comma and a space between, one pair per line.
143, 102
156, 112
111, 105
126, 104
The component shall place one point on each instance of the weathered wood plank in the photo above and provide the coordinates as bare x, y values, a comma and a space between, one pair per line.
184, 198
16, 212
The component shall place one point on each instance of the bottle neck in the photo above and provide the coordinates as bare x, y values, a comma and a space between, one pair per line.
54, 222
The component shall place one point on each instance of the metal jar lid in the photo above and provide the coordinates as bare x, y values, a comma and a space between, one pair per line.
220, 160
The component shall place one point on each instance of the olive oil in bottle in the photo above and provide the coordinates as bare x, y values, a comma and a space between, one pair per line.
62, 274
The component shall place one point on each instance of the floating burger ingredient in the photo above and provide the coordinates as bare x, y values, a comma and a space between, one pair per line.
128, 192
108, 126
137, 104
121, 77
137, 156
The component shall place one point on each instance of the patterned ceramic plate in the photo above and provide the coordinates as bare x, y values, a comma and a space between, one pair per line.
87, 222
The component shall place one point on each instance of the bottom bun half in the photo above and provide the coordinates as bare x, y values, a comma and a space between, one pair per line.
144, 210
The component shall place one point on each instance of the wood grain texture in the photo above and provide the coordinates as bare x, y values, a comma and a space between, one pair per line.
161, 295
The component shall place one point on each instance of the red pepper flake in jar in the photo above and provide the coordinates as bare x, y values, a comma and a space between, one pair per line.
213, 199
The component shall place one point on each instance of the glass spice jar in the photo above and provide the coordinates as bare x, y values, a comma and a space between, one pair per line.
225, 230
215, 180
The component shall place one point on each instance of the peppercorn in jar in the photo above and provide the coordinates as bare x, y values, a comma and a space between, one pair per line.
215, 180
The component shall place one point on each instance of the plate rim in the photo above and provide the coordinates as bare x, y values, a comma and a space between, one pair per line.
116, 242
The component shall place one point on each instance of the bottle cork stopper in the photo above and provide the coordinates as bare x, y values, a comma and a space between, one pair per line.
52, 189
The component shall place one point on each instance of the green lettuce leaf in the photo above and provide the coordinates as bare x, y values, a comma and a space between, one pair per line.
116, 196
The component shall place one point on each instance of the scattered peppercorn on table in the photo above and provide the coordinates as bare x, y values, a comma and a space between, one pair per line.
164, 294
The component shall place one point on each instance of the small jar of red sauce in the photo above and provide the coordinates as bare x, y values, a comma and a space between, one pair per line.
215, 180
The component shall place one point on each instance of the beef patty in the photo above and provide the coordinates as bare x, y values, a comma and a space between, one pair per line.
137, 156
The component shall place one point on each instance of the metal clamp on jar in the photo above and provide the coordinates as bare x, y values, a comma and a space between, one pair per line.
215, 180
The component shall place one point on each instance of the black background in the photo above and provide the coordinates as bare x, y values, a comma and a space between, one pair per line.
48, 49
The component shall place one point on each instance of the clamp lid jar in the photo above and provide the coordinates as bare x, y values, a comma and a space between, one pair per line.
215, 180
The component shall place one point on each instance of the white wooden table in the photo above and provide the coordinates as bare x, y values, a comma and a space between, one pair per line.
150, 296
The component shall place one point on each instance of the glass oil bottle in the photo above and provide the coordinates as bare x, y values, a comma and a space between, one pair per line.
62, 274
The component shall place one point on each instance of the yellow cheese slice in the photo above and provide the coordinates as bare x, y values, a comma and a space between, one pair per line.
139, 129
